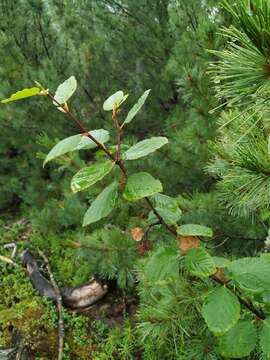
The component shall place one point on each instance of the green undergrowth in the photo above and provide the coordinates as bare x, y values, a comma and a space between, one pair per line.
141, 277
161, 318
35, 319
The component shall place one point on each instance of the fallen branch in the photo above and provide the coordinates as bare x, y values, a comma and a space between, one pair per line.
59, 302
73, 297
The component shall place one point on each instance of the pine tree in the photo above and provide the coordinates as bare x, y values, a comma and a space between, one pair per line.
189, 124
241, 154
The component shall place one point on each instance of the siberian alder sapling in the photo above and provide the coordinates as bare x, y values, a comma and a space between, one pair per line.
238, 278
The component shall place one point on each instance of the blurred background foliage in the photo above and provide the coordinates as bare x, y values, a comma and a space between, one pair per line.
107, 45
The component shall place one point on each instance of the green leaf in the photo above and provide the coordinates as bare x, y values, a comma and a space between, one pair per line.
221, 262
200, 263
140, 185
76, 142
22, 94
65, 90
102, 205
165, 202
85, 143
221, 310
265, 256
145, 147
89, 175
194, 230
250, 273
239, 341
167, 207
137, 107
114, 101
162, 265
265, 337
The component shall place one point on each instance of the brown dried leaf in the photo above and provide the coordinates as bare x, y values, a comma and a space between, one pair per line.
137, 233
144, 247
188, 242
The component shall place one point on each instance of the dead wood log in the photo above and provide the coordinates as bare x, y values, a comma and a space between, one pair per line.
73, 297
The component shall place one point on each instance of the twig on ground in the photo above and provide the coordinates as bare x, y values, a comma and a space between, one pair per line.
61, 326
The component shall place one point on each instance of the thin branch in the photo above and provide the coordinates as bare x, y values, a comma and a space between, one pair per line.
61, 326
160, 218
119, 141
82, 128
43, 38
248, 304
149, 227
119, 161
220, 244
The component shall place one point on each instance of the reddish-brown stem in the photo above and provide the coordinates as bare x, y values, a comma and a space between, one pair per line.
160, 218
122, 168
118, 156
83, 129
119, 134
119, 161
